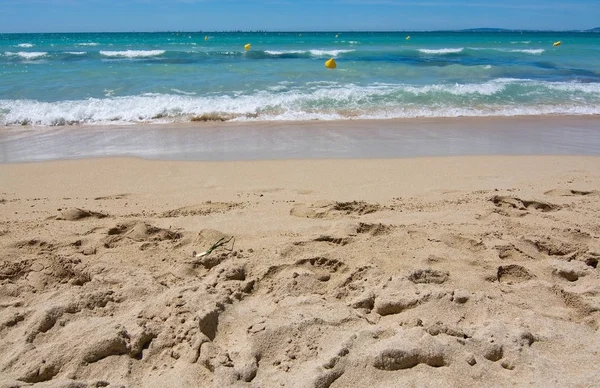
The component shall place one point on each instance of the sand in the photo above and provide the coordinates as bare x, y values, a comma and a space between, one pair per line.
427, 272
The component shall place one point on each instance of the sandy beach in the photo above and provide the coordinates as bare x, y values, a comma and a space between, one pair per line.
470, 271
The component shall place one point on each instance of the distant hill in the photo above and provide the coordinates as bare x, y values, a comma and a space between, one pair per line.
486, 30
597, 29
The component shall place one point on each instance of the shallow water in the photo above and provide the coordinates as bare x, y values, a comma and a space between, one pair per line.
122, 78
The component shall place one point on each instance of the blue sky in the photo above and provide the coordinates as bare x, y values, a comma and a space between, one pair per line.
290, 15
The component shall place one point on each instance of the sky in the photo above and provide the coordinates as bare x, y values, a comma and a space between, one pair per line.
292, 15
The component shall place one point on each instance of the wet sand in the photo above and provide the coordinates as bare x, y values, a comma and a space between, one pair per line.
564, 135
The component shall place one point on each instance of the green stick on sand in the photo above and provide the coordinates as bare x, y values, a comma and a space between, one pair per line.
222, 241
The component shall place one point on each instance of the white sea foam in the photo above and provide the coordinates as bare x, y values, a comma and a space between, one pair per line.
133, 53
527, 51
178, 91
25, 45
326, 101
506, 50
277, 88
321, 84
283, 52
169, 109
484, 89
442, 51
484, 111
76, 52
591, 88
329, 53
316, 52
26, 54
87, 44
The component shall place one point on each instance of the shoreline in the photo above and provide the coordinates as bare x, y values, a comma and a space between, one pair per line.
397, 138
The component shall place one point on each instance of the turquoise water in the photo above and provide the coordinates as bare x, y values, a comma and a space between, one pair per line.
122, 78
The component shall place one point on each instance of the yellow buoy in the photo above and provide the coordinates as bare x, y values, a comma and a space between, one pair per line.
330, 64
247, 47
408, 37
206, 37
557, 43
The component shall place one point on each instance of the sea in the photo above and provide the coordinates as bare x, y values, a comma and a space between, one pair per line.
65, 79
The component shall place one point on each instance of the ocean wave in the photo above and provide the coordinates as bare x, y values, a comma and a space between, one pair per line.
226, 53
179, 91
508, 50
308, 53
324, 101
27, 54
25, 45
284, 52
133, 53
485, 89
87, 44
329, 53
442, 51
76, 52
588, 88
528, 51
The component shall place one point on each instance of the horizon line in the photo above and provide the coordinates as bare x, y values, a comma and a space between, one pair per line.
478, 29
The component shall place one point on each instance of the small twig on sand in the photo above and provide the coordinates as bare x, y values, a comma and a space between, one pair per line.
222, 241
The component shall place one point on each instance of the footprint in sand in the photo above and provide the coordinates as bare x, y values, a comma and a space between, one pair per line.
346, 233
111, 197
457, 241
203, 209
374, 229
509, 203
570, 193
552, 247
75, 214
314, 275
513, 273
333, 210
428, 276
